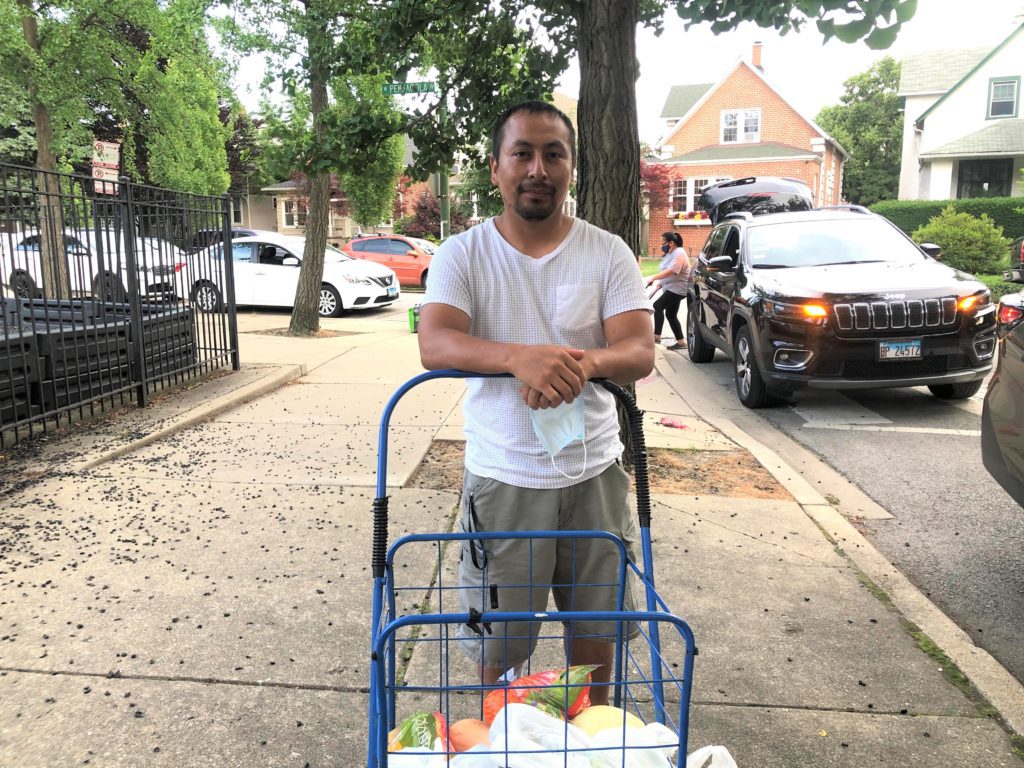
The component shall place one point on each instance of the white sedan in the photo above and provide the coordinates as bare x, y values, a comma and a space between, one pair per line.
96, 265
266, 273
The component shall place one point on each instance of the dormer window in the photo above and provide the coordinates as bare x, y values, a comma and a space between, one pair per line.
1003, 95
741, 126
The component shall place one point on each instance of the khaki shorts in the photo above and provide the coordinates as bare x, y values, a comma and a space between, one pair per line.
517, 574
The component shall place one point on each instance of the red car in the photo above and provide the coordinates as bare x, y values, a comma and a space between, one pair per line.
407, 257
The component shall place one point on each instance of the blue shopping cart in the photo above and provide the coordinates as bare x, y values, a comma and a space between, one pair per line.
423, 638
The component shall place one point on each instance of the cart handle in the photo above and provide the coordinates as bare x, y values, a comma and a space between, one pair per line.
634, 418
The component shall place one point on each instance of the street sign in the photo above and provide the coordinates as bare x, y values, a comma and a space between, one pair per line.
103, 178
106, 164
394, 89
106, 154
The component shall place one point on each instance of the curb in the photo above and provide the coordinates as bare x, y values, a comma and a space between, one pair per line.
986, 674
274, 380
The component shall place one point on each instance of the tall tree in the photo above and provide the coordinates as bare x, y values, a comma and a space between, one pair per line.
867, 122
503, 53
98, 69
494, 59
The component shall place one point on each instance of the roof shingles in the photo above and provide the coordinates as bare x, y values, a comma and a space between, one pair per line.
739, 152
1001, 138
681, 99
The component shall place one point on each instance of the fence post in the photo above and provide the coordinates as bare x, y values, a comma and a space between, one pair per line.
229, 281
134, 293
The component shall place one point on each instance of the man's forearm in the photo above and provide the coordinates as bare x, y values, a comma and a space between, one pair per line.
450, 348
623, 362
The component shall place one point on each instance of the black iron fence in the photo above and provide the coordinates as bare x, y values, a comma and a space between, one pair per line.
106, 295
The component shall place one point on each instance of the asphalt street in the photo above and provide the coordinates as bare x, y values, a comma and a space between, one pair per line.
954, 532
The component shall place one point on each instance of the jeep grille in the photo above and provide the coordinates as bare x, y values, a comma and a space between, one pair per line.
896, 315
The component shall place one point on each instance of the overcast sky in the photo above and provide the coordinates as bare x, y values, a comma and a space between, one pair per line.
809, 74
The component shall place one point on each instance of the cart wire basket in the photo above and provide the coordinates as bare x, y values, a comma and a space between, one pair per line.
429, 634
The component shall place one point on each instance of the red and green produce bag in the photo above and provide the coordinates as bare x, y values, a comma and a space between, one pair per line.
422, 729
545, 690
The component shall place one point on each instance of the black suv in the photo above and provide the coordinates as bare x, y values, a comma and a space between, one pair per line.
835, 298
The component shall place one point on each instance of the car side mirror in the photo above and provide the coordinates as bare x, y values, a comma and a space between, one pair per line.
933, 250
412, 253
290, 261
721, 264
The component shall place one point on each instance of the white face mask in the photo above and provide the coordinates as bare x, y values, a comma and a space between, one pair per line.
558, 427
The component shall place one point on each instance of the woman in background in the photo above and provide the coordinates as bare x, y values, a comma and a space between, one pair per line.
673, 275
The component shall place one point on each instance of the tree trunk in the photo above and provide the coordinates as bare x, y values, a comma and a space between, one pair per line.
305, 316
52, 259
608, 181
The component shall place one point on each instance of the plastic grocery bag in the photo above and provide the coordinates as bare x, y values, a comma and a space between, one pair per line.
536, 740
418, 757
649, 747
719, 758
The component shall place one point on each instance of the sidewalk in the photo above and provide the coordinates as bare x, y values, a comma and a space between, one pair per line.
189, 585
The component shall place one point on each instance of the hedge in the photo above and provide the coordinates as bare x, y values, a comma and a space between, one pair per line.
908, 215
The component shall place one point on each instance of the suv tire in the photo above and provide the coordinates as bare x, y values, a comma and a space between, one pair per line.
750, 387
955, 391
698, 350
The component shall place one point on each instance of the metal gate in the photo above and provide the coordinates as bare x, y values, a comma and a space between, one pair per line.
107, 293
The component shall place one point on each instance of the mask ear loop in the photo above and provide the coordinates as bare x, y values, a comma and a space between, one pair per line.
582, 471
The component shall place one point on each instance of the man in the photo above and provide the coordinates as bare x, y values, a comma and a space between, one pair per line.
555, 302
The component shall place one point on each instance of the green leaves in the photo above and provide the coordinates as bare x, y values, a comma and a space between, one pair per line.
877, 22
869, 126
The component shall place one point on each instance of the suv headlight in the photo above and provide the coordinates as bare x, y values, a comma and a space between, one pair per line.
810, 311
975, 300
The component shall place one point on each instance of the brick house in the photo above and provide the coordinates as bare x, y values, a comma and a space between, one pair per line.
737, 127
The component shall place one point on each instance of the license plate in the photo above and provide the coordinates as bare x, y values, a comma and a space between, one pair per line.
899, 349
392, 291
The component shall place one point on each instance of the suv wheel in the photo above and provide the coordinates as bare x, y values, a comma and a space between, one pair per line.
955, 391
698, 350
750, 387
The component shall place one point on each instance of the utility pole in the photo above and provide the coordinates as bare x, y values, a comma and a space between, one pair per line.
392, 89
442, 186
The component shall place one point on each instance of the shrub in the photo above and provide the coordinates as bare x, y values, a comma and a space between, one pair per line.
908, 215
975, 245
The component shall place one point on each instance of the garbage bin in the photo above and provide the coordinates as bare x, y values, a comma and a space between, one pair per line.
414, 318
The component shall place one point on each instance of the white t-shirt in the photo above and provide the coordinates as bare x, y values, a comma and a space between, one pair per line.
562, 298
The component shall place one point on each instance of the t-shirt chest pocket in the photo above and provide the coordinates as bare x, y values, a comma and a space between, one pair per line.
577, 306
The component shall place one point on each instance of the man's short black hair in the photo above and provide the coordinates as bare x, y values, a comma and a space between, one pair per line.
531, 108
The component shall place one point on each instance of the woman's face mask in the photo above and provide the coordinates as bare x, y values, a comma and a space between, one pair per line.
665, 248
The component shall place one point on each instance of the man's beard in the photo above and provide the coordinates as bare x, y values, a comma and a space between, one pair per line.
537, 211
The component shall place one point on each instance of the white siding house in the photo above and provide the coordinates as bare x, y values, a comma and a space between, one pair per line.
963, 126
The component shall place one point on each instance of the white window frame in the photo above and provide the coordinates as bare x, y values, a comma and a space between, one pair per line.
678, 189
741, 116
689, 190
1014, 82
294, 214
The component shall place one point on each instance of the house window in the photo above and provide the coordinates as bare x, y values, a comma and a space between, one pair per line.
294, 214
985, 178
236, 210
684, 194
1003, 94
677, 196
741, 126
